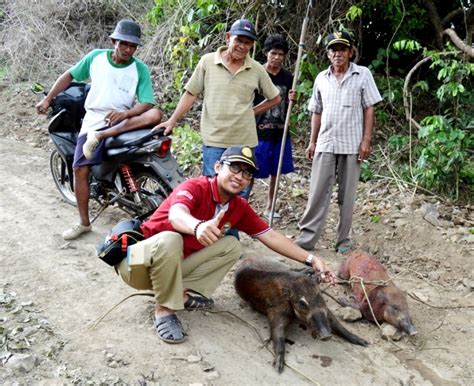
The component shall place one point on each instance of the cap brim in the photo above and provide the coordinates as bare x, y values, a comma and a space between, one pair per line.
339, 41
244, 33
238, 158
126, 38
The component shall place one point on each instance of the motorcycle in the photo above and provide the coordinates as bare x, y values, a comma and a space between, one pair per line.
138, 170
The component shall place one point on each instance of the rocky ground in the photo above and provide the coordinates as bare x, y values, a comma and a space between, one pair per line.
53, 293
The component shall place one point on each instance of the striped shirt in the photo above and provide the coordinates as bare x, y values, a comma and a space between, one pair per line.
227, 114
341, 106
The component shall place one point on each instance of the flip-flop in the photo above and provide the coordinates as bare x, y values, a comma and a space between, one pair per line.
169, 329
197, 302
344, 249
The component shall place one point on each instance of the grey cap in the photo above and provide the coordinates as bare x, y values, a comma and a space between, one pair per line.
127, 31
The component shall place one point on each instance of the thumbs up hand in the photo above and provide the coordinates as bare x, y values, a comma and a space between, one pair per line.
208, 232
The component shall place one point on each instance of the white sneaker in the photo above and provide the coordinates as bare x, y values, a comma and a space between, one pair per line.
76, 231
90, 146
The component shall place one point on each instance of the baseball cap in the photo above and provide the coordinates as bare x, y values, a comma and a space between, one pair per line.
242, 154
127, 31
339, 38
243, 27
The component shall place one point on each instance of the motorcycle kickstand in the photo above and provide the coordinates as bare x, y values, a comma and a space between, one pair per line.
102, 208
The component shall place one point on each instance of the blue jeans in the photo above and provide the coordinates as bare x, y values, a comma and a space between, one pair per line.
210, 155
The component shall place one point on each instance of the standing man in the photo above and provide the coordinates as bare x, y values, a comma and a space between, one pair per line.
186, 254
342, 107
271, 123
228, 78
117, 79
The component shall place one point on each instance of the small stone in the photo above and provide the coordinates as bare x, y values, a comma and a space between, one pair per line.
212, 376
299, 359
113, 364
434, 275
469, 283
432, 219
193, 359
399, 222
350, 314
390, 332
22, 362
109, 355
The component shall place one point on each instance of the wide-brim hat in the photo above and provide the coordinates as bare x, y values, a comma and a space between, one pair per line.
127, 31
244, 154
339, 38
243, 27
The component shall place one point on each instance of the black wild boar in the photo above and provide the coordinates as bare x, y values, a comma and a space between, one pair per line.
284, 295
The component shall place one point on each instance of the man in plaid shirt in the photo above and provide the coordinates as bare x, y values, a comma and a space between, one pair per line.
342, 107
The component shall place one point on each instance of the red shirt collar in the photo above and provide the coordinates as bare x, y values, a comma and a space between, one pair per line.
215, 192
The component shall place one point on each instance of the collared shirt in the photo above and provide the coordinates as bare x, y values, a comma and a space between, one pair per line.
227, 113
201, 197
341, 106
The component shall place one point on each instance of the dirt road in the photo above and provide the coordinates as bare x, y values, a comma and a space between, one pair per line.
51, 291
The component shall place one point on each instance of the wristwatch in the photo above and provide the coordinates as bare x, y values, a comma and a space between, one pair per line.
309, 260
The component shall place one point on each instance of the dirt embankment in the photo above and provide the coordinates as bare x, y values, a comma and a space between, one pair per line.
51, 291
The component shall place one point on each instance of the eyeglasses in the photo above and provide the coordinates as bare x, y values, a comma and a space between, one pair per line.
236, 169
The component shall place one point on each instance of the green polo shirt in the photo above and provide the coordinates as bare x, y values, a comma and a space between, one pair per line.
227, 116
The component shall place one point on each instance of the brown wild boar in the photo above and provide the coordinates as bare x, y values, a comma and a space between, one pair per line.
388, 302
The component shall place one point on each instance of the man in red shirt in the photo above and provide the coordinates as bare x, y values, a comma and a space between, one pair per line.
186, 254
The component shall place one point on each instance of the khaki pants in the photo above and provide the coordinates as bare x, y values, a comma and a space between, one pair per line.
168, 275
326, 170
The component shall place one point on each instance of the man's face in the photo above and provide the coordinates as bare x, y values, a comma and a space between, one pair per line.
339, 55
238, 46
123, 51
275, 57
233, 177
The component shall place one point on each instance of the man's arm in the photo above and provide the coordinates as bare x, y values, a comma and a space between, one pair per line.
115, 117
60, 85
315, 126
365, 147
265, 105
282, 245
184, 105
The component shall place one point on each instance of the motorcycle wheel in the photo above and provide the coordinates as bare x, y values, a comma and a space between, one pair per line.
57, 166
152, 191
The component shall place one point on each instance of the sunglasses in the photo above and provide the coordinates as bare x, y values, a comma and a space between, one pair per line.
236, 169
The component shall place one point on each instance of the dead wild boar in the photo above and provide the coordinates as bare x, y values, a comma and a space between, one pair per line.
284, 295
388, 302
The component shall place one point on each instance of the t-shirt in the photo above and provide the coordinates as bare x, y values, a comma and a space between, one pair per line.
271, 123
201, 197
113, 86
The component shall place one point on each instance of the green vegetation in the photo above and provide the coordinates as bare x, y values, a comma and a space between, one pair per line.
419, 52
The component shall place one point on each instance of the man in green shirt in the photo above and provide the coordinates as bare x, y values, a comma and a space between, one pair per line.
117, 80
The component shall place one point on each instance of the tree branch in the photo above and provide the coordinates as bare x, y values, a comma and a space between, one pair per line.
458, 42
451, 15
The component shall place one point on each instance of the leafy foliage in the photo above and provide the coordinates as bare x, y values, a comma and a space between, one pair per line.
187, 147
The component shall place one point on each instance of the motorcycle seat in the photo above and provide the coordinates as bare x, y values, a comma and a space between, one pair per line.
129, 138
